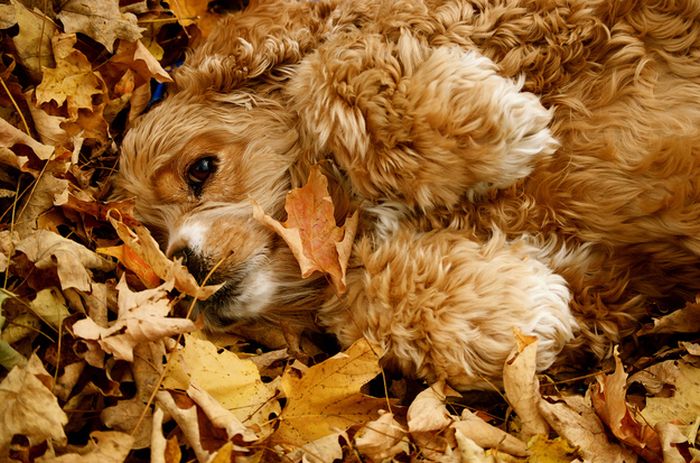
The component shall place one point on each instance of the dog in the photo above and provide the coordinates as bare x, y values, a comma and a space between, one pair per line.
517, 165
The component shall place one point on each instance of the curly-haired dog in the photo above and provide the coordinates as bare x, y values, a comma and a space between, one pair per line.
519, 164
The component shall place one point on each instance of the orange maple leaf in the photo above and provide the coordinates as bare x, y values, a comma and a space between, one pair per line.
311, 232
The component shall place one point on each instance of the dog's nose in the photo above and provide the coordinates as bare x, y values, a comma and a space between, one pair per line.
195, 263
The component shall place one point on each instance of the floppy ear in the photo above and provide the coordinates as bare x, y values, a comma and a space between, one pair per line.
425, 125
249, 44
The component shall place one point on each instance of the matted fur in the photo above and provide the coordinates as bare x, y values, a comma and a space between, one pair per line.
518, 164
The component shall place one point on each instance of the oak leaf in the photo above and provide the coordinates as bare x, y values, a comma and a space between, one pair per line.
326, 399
608, 395
101, 20
142, 317
311, 232
71, 260
28, 407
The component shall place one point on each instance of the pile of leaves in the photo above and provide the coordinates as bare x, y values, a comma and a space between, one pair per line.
99, 362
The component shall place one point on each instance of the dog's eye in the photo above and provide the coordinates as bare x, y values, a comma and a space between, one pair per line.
199, 171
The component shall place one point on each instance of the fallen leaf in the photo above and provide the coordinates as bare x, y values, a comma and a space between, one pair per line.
132, 261
139, 59
220, 416
382, 439
608, 395
101, 20
11, 136
28, 407
48, 191
326, 400
544, 450
190, 12
71, 260
522, 387
428, 412
33, 42
574, 420
233, 382
685, 320
311, 232
104, 447
142, 317
683, 407
673, 443
50, 305
489, 437
72, 81
470, 450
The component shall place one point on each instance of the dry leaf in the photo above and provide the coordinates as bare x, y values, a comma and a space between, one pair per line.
382, 438
100, 20
489, 437
142, 244
50, 305
427, 412
220, 416
685, 320
574, 419
188, 422
71, 260
310, 230
48, 191
72, 81
29, 408
522, 387
131, 260
11, 136
33, 42
683, 407
233, 382
189, 12
326, 399
139, 59
671, 441
142, 317
470, 451
104, 447
609, 400
543, 450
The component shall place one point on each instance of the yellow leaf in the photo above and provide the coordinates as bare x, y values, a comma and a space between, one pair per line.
683, 407
33, 42
326, 400
544, 450
382, 438
428, 412
104, 447
50, 306
233, 382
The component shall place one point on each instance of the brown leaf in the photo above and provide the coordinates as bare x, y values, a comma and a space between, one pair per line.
11, 136
72, 81
311, 232
326, 399
101, 20
685, 320
489, 437
49, 190
574, 419
131, 260
104, 447
72, 260
189, 12
609, 400
522, 387
382, 439
29, 408
33, 42
142, 318
428, 412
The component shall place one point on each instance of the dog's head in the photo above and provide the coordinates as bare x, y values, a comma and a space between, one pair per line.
195, 165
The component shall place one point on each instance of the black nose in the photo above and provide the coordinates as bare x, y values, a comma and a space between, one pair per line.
197, 264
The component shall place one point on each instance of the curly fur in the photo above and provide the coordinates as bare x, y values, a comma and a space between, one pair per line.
519, 164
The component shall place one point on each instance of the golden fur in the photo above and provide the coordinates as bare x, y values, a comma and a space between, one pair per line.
529, 164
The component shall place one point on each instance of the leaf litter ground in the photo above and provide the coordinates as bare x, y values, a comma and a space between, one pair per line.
101, 361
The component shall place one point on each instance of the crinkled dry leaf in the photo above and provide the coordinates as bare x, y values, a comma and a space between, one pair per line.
326, 399
233, 382
683, 407
33, 42
190, 12
50, 305
672, 439
220, 416
11, 136
544, 450
142, 244
685, 320
468, 450
131, 260
29, 408
522, 387
142, 317
136, 57
104, 447
48, 191
382, 438
609, 400
489, 437
72, 81
428, 412
574, 419
188, 422
310, 230
101, 20
72, 260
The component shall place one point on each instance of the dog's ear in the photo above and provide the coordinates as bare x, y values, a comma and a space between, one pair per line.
261, 40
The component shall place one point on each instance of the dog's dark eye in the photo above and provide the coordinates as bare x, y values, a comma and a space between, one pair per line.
199, 171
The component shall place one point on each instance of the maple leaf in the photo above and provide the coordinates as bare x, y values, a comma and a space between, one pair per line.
100, 20
326, 400
71, 260
28, 407
522, 387
311, 232
235, 383
142, 317
72, 81
608, 395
